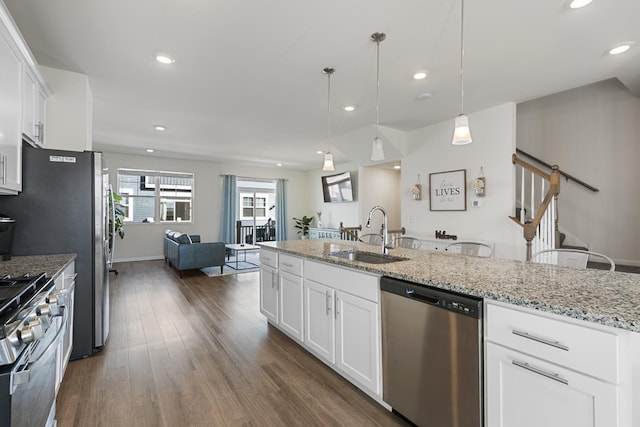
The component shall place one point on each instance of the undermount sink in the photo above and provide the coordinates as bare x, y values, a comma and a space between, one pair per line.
367, 257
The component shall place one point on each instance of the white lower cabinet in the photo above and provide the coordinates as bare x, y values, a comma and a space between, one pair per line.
547, 370
290, 299
357, 339
269, 292
524, 391
343, 328
319, 320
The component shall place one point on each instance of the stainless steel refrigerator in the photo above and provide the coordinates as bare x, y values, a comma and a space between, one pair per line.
63, 208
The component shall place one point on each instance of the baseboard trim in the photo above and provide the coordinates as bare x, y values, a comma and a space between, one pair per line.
146, 258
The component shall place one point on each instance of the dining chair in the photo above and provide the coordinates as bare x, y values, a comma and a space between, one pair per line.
470, 248
406, 242
575, 258
371, 238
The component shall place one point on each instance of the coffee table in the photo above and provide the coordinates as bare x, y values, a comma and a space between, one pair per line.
238, 249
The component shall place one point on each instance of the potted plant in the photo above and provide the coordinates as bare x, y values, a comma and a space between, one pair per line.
118, 217
302, 224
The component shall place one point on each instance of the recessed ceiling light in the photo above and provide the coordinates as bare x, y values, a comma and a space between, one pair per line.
620, 48
420, 75
159, 128
577, 4
425, 95
397, 167
319, 152
164, 58
278, 164
349, 108
150, 150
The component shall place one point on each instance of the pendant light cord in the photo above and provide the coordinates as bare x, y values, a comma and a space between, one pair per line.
328, 71
461, 57
328, 109
377, 85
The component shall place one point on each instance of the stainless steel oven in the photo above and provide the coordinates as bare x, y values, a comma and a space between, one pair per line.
33, 381
32, 325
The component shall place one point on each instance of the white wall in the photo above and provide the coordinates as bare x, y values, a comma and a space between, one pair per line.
144, 241
69, 111
379, 187
591, 133
430, 151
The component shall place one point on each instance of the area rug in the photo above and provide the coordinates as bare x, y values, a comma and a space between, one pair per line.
248, 265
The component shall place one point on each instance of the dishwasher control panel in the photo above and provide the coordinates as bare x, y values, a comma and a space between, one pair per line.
462, 307
462, 304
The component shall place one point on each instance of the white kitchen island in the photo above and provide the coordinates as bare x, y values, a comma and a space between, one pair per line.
561, 346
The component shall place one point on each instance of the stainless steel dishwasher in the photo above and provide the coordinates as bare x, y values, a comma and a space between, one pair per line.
431, 354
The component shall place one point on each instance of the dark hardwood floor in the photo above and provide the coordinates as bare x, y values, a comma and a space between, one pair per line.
197, 352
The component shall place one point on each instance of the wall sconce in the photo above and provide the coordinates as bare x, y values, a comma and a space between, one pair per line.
416, 190
478, 185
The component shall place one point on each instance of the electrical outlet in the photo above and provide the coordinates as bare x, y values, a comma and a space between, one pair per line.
412, 219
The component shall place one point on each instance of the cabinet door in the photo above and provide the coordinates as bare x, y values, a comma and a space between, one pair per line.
10, 115
29, 120
41, 114
319, 333
269, 293
527, 392
358, 340
291, 304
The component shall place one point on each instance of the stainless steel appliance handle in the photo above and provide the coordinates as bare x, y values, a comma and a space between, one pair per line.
550, 375
546, 341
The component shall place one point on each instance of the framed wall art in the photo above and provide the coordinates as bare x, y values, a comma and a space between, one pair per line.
447, 191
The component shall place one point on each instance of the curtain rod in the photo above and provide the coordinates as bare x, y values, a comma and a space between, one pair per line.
246, 178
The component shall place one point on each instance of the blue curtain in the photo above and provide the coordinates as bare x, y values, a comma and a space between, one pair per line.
228, 217
281, 202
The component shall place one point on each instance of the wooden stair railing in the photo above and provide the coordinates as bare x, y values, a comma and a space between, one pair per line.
349, 233
544, 224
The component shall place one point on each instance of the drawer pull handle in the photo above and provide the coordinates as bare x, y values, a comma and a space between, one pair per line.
550, 375
287, 265
527, 335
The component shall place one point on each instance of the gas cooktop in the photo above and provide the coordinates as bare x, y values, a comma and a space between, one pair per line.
16, 292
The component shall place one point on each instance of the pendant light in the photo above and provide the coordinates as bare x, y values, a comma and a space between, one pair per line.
328, 157
377, 150
461, 132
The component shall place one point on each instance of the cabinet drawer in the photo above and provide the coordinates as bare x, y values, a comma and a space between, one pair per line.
581, 348
290, 264
269, 258
353, 282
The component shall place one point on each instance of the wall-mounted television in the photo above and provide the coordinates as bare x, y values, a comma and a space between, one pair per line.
337, 188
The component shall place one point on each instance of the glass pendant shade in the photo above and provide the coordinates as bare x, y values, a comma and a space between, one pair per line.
461, 132
377, 150
328, 162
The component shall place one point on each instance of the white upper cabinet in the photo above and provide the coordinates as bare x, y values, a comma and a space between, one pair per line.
33, 108
10, 114
23, 92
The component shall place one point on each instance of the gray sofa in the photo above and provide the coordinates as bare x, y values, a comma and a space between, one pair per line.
186, 252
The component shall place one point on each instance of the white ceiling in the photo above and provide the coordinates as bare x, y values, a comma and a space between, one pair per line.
247, 85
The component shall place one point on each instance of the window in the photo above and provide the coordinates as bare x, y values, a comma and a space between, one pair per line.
251, 205
155, 196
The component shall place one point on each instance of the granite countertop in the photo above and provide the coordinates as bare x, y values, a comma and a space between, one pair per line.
35, 264
608, 298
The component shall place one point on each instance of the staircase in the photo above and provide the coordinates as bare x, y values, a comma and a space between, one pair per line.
536, 189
